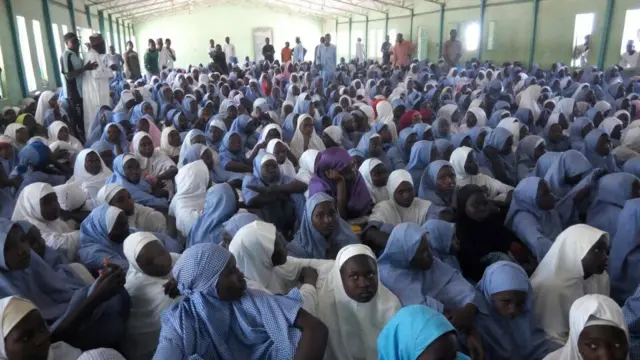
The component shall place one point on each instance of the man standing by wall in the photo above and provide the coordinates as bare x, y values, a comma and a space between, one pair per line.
402, 52
95, 82
212, 48
268, 51
581, 52
286, 53
327, 56
229, 50
299, 51
151, 62
131, 63
74, 70
452, 51
360, 51
169, 53
316, 55
386, 51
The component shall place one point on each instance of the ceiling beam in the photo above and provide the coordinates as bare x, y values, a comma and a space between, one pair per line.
305, 8
392, 4
333, 7
435, 2
134, 5
147, 11
360, 6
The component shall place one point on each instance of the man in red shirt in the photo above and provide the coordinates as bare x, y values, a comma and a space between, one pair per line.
286, 53
402, 52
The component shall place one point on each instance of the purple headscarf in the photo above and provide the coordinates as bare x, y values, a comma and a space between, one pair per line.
360, 203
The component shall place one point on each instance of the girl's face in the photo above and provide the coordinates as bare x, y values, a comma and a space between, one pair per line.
92, 163
269, 171
143, 125
6, 151
145, 147
595, 261
29, 121
17, 251
307, 127
216, 134
443, 128
235, 143
53, 102
232, 112
30, 338
132, 171
63, 134
603, 147
123, 201
471, 165
603, 342
280, 153
206, 113
379, 175
360, 278
478, 207
193, 106
107, 158
113, 134
328, 141
288, 109
174, 138
616, 133
356, 161
198, 139
446, 180
49, 207
506, 148
428, 135
539, 151
375, 146
524, 131
404, 194
183, 122
324, 218
22, 135
120, 229
423, 258
231, 284
544, 197
147, 109
509, 303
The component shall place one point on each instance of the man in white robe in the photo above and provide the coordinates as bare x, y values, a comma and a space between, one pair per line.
95, 83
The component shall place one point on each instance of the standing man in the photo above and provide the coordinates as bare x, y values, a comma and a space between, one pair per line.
630, 59
268, 52
151, 62
162, 59
169, 53
402, 52
229, 50
386, 51
316, 58
286, 53
95, 82
327, 56
581, 52
360, 51
74, 69
452, 51
212, 48
131, 63
299, 51
115, 58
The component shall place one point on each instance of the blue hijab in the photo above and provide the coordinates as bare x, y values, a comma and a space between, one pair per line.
441, 282
239, 126
632, 166
575, 133
363, 147
226, 155
124, 144
441, 234
611, 194
475, 133
428, 184
209, 136
504, 338
435, 128
238, 221
140, 192
631, 311
624, 258
186, 109
544, 163
569, 164
497, 139
95, 244
288, 129
420, 129
221, 203
347, 138
413, 329
457, 139
537, 228
203, 326
607, 162
399, 154
138, 112
308, 243
420, 159
525, 155
495, 118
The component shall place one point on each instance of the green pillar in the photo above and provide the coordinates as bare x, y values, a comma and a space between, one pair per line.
101, 22
51, 41
87, 9
119, 47
350, 40
441, 29
605, 37
532, 46
129, 29
16, 47
411, 29
386, 26
366, 36
483, 8
72, 15
111, 31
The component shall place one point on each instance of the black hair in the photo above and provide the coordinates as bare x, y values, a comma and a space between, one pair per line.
69, 36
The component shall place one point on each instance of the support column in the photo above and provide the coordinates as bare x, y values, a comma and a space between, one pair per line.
119, 47
386, 26
605, 37
366, 36
411, 29
16, 47
483, 9
72, 15
87, 9
52, 47
350, 41
111, 31
532, 46
441, 41
101, 22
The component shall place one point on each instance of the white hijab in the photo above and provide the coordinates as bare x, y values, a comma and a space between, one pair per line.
148, 300
90, 184
186, 145
11, 131
287, 167
513, 125
389, 212
143, 217
385, 112
335, 133
591, 309
154, 165
55, 128
558, 281
378, 194
353, 327
529, 100
458, 159
165, 147
191, 182
297, 142
125, 97
43, 105
481, 118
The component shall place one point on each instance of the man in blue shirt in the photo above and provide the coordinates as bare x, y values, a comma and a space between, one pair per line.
327, 59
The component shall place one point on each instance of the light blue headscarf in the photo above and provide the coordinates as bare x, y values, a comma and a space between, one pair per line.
208, 130
226, 155
537, 228
457, 139
544, 163
441, 235
525, 155
221, 203
435, 128
497, 139
203, 326
624, 258
575, 133
632, 166
186, 108
420, 159
363, 146
95, 244
239, 220
441, 282
411, 331
239, 126
140, 192
631, 311
124, 144
504, 338
100, 146
607, 162
428, 184
611, 194
308, 243
475, 133
347, 138
420, 129
569, 164
138, 112
399, 155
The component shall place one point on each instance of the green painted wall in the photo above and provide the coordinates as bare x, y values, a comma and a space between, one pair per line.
190, 32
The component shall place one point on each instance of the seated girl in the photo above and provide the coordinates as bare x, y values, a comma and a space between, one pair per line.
286, 160
90, 174
443, 241
192, 138
499, 154
155, 166
105, 151
597, 149
116, 136
84, 316
532, 216
423, 153
399, 155
578, 131
409, 269
574, 266
612, 192
127, 173
147, 282
438, 184
49, 110
623, 268
275, 198
220, 205
18, 133
467, 171
214, 132
226, 327
246, 127
170, 143
38, 204
59, 131
529, 150
376, 176
139, 216
233, 158
36, 163
508, 327
335, 176
186, 206
322, 232
371, 146
305, 137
